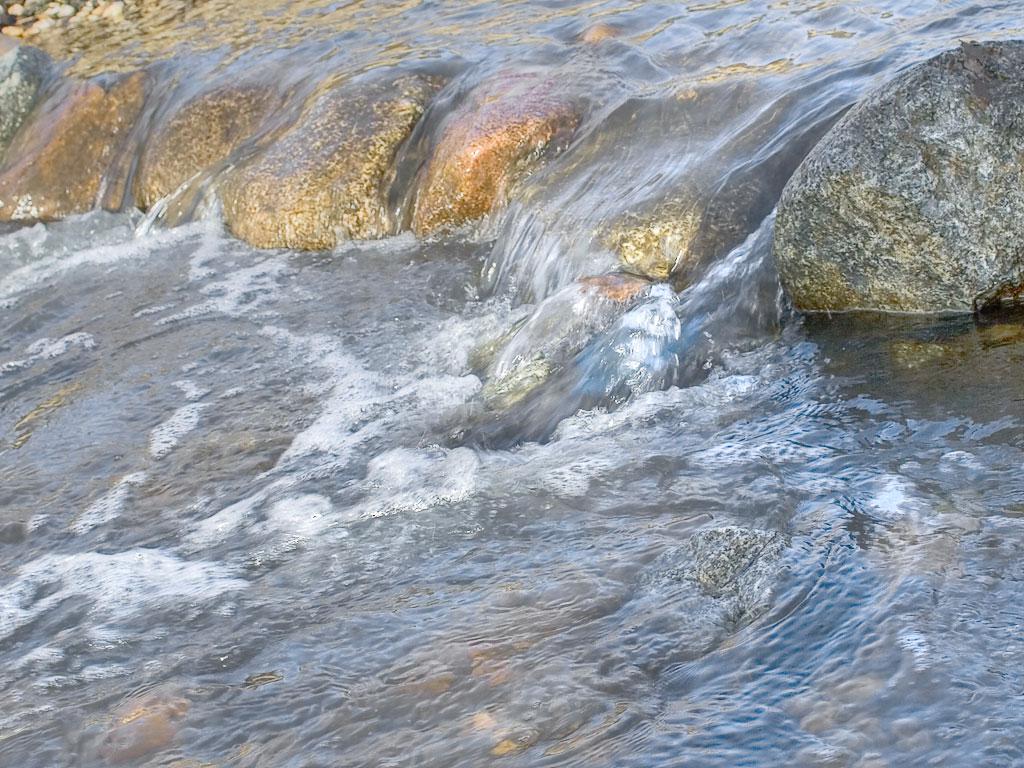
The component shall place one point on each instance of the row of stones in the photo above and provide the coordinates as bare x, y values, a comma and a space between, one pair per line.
304, 178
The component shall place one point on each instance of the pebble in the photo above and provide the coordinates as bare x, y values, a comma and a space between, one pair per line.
114, 11
27, 20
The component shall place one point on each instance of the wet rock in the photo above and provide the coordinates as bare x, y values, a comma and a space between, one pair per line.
142, 727
560, 327
732, 562
657, 243
70, 156
202, 133
496, 137
914, 201
23, 70
598, 33
325, 180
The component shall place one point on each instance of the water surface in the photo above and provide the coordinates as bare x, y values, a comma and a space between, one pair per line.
259, 485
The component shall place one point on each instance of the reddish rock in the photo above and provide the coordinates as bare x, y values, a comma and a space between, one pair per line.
142, 727
69, 157
325, 180
495, 138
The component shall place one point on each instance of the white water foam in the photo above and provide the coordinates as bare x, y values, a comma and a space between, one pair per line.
48, 349
238, 293
404, 480
114, 586
109, 506
59, 261
165, 437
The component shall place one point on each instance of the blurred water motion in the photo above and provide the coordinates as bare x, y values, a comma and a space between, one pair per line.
255, 509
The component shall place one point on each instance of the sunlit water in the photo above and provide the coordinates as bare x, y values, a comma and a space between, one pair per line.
261, 485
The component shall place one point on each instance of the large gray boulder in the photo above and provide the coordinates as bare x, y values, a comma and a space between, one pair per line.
914, 201
22, 72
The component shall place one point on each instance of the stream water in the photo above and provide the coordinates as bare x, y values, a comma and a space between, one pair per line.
253, 492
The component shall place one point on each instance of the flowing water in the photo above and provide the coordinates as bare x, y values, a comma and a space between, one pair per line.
250, 503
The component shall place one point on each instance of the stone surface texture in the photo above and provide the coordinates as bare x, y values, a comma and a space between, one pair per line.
488, 143
914, 201
325, 180
202, 133
23, 70
69, 157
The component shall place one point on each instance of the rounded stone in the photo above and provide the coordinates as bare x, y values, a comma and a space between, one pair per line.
72, 155
494, 138
199, 135
914, 201
325, 180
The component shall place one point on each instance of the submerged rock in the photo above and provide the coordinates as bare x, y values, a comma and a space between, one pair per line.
141, 727
488, 143
914, 201
202, 133
735, 567
732, 561
71, 155
325, 179
23, 70
559, 328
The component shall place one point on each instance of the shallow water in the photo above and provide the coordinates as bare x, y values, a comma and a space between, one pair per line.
257, 492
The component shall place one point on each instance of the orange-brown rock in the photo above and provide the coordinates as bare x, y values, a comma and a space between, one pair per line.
486, 145
325, 179
599, 32
68, 157
142, 727
202, 133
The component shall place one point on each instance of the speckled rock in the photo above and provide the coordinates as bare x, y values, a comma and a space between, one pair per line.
23, 70
325, 180
202, 133
732, 561
914, 201
70, 156
498, 135
709, 213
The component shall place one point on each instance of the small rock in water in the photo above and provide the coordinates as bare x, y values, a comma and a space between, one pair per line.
142, 727
914, 201
727, 560
599, 32
734, 567
488, 143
